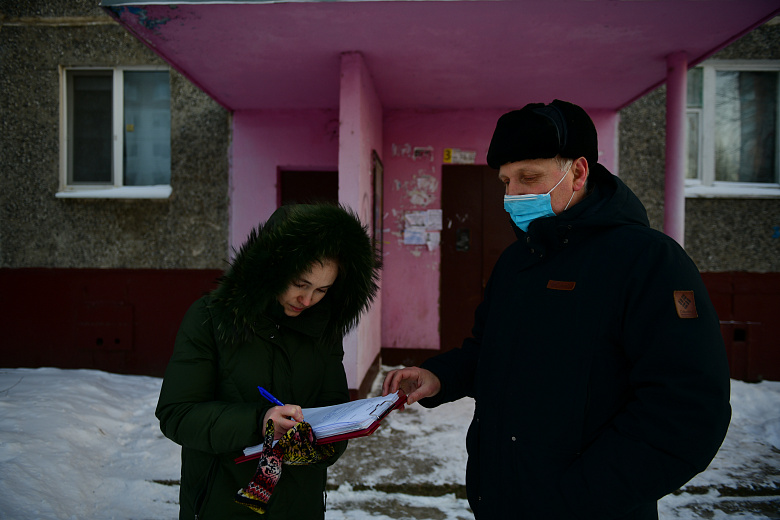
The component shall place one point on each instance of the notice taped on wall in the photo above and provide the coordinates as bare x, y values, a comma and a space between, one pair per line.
456, 156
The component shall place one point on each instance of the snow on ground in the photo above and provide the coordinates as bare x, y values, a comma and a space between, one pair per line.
84, 444
79, 444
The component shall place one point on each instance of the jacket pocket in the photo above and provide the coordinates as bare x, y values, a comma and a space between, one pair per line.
204, 488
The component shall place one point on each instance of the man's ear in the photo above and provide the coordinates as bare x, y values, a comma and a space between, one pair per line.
580, 171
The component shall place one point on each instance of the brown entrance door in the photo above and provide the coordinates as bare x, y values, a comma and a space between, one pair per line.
305, 187
476, 229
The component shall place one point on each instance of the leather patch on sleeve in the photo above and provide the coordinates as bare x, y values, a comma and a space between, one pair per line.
685, 304
558, 285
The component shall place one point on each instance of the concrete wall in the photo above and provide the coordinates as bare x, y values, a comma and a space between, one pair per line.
720, 234
186, 231
194, 229
265, 142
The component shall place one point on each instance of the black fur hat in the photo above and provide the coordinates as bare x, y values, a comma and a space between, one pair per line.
539, 131
285, 247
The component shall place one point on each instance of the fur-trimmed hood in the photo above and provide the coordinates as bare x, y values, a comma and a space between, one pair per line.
285, 247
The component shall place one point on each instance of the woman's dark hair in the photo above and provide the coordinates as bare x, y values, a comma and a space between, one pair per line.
286, 246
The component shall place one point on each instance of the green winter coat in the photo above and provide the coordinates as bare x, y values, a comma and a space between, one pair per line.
238, 338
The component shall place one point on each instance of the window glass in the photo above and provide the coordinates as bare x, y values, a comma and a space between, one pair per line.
116, 132
746, 126
693, 134
147, 128
91, 134
695, 79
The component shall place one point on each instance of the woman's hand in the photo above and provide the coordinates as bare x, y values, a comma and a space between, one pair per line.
284, 417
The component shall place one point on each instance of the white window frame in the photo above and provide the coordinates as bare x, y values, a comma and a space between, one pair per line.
104, 191
706, 186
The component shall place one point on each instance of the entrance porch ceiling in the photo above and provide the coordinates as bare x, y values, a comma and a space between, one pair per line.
432, 55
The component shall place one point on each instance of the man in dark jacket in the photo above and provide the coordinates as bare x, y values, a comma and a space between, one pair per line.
596, 362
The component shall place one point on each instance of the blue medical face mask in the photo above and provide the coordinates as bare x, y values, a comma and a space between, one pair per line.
524, 209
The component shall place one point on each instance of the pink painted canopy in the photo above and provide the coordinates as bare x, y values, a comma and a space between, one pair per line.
429, 55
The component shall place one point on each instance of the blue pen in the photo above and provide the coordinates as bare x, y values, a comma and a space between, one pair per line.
268, 396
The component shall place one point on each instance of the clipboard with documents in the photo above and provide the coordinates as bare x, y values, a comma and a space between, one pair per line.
339, 422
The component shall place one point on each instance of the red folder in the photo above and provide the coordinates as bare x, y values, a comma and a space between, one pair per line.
368, 431
344, 436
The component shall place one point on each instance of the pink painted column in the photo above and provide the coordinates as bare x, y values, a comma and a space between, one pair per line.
360, 132
674, 193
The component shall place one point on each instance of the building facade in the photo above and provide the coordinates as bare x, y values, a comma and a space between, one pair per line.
100, 278
99, 282
732, 235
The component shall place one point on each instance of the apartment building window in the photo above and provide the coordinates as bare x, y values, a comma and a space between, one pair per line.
733, 139
115, 133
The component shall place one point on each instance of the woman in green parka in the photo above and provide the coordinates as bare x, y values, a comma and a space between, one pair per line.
277, 319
